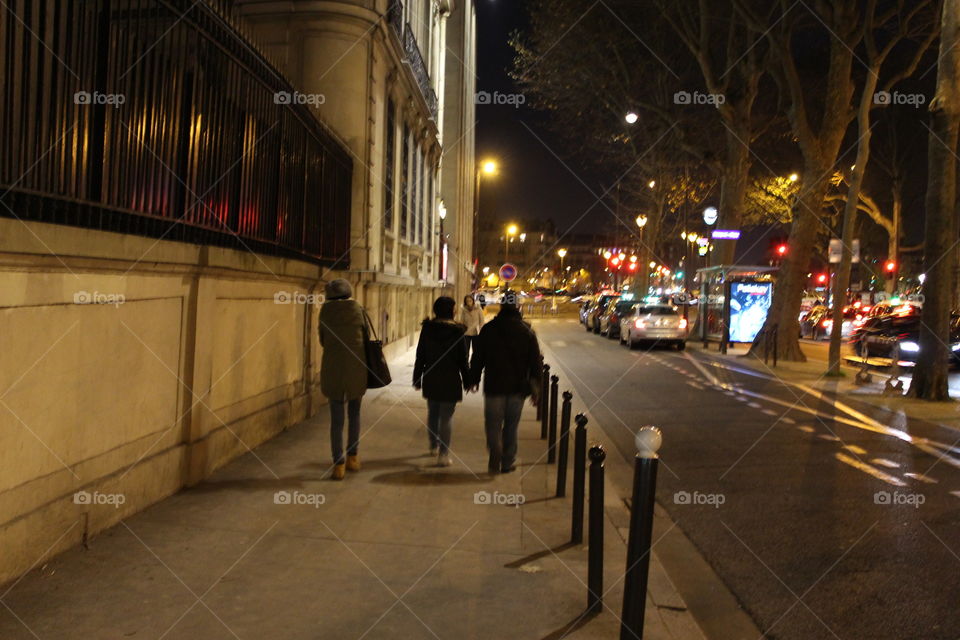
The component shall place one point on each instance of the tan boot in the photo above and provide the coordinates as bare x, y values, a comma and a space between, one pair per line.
339, 471
353, 463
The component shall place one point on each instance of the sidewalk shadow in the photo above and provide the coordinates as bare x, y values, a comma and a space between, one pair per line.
424, 476
516, 564
577, 623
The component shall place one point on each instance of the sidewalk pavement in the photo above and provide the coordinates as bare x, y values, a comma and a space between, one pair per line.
811, 374
268, 547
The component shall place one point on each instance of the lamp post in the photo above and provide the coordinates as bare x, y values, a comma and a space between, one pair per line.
442, 212
486, 168
510, 232
641, 223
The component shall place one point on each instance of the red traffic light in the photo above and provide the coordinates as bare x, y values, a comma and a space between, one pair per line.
891, 266
822, 278
781, 249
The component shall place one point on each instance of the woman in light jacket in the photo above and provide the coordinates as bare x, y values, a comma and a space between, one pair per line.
343, 371
471, 316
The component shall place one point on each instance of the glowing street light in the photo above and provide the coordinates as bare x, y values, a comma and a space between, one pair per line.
794, 177
641, 221
631, 117
652, 184
489, 167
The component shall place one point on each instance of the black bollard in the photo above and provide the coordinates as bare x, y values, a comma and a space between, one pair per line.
552, 433
564, 444
579, 477
540, 399
544, 400
595, 552
641, 533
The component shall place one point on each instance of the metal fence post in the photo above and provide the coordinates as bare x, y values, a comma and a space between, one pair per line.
579, 477
540, 400
552, 431
564, 447
544, 401
595, 551
648, 442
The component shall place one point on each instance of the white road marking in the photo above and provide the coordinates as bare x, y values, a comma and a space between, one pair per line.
921, 477
807, 429
788, 420
955, 493
852, 448
825, 436
769, 412
753, 405
889, 464
871, 471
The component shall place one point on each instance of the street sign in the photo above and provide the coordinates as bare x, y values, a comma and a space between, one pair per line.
725, 234
836, 250
508, 272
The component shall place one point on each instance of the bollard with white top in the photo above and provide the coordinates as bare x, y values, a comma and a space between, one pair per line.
648, 441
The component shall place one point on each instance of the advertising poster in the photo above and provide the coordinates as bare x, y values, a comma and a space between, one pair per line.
749, 303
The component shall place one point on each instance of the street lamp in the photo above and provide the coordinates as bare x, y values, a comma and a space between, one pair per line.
442, 212
794, 177
641, 221
512, 230
487, 168
631, 117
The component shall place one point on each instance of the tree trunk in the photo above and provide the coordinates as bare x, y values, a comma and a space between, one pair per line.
930, 375
792, 279
841, 280
733, 188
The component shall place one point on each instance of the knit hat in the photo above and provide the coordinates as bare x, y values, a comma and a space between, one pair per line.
338, 288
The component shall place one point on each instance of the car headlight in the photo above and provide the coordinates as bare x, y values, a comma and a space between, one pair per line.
955, 346
910, 346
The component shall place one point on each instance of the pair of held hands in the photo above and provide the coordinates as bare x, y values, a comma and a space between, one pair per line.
474, 389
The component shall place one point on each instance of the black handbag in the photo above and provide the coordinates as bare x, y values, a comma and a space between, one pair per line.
378, 373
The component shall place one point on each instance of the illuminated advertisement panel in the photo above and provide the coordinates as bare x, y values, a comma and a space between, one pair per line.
749, 303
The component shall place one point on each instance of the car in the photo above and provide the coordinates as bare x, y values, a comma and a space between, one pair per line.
877, 320
817, 323
593, 317
657, 323
585, 307
895, 333
610, 320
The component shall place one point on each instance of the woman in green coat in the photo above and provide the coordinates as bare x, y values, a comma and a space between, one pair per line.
343, 371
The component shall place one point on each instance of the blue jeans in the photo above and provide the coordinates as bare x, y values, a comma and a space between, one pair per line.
336, 428
440, 424
501, 414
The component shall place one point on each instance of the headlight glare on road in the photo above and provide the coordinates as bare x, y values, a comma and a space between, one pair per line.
909, 346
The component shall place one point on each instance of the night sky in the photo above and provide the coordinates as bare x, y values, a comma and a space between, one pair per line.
533, 182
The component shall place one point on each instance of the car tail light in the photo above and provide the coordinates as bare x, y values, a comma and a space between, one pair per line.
683, 323
827, 322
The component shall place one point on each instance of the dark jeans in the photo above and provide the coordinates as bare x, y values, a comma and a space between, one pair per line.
440, 424
471, 344
501, 414
336, 428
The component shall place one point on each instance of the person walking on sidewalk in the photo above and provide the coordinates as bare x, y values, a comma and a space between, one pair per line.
507, 353
343, 371
441, 372
471, 316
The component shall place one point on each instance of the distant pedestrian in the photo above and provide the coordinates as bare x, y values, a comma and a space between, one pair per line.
343, 371
471, 316
441, 372
507, 353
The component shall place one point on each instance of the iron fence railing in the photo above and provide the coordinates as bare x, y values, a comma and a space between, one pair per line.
419, 69
159, 118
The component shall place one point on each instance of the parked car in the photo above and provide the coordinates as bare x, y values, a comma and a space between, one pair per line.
585, 307
896, 334
610, 320
879, 319
659, 323
593, 318
818, 322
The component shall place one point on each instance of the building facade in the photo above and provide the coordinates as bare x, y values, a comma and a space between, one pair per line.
396, 81
173, 197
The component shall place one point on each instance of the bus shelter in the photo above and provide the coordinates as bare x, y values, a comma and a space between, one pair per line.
734, 300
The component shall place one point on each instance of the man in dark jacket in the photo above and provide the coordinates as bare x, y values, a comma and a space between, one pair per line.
441, 371
508, 354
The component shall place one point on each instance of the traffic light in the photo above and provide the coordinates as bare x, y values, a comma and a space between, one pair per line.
890, 267
781, 250
822, 278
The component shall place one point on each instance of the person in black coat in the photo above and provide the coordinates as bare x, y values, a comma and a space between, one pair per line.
442, 373
507, 353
